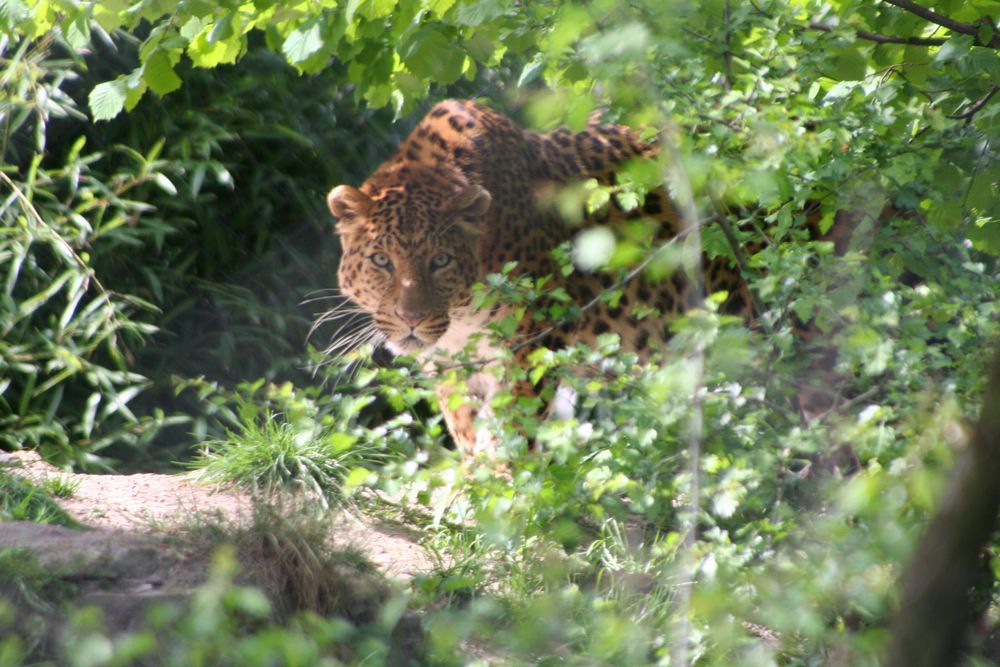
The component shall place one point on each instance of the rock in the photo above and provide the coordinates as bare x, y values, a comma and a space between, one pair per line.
121, 573
126, 574
90, 555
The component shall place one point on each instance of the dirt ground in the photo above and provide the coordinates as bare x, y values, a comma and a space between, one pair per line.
156, 504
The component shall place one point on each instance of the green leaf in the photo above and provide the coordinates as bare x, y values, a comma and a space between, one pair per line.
433, 55
984, 60
850, 64
357, 477
955, 48
133, 95
205, 54
135, 88
107, 99
107, 13
303, 42
985, 33
440, 7
192, 27
804, 308
478, 12
726, 502
77, 30
917, 64
985, 236
222, 30
378, 95
376, 9
341, 442
165, 184
982, 194
33, 303
12, 14
531, 71
159, 73
409, 85
250, 601
827, 220
480, 47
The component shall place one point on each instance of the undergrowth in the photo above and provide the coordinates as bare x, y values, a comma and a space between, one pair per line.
22, 500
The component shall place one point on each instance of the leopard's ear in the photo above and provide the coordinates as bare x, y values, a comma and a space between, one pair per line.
349, 205
471, 203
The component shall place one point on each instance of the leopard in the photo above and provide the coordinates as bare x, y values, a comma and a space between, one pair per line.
460, 200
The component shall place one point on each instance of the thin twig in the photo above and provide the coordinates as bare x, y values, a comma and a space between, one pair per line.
734, 244
975, 175
728, 53
840, 407
30, 208
741, 258
976, 106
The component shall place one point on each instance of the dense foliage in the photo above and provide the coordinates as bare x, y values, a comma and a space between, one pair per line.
155, 254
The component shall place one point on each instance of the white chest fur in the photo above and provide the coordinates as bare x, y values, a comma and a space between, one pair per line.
469, 333
461, 331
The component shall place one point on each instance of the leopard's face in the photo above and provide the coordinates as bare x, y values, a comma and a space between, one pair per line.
409, 258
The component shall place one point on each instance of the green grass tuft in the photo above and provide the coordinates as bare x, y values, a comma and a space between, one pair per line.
20, 500
60, 487
267, 456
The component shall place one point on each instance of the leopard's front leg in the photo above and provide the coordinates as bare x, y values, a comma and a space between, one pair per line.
468, 412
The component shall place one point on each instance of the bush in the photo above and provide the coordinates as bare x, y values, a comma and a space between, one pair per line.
181, 242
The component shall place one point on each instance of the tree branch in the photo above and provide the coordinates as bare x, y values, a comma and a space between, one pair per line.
944, 21
884, 39
976, 106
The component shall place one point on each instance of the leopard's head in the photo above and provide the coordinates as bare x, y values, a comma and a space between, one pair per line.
410, 252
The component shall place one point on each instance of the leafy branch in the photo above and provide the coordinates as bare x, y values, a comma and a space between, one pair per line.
883, 39
948, 22
56, 237
976, 106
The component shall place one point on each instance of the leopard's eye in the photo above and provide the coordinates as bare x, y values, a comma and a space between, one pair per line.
440, 260
381, 260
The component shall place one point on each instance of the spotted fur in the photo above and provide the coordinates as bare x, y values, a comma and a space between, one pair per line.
457, 202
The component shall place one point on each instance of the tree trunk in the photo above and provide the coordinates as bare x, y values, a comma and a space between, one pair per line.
933, 615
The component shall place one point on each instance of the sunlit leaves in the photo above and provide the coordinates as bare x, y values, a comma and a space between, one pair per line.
593, 248
12, 14
370, 9
159, 73
107, 99
477, 12
303, 42
205, 51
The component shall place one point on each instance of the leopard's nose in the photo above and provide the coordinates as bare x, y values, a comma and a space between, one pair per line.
411, 318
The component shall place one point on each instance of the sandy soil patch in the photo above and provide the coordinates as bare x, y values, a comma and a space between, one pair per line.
148, 503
